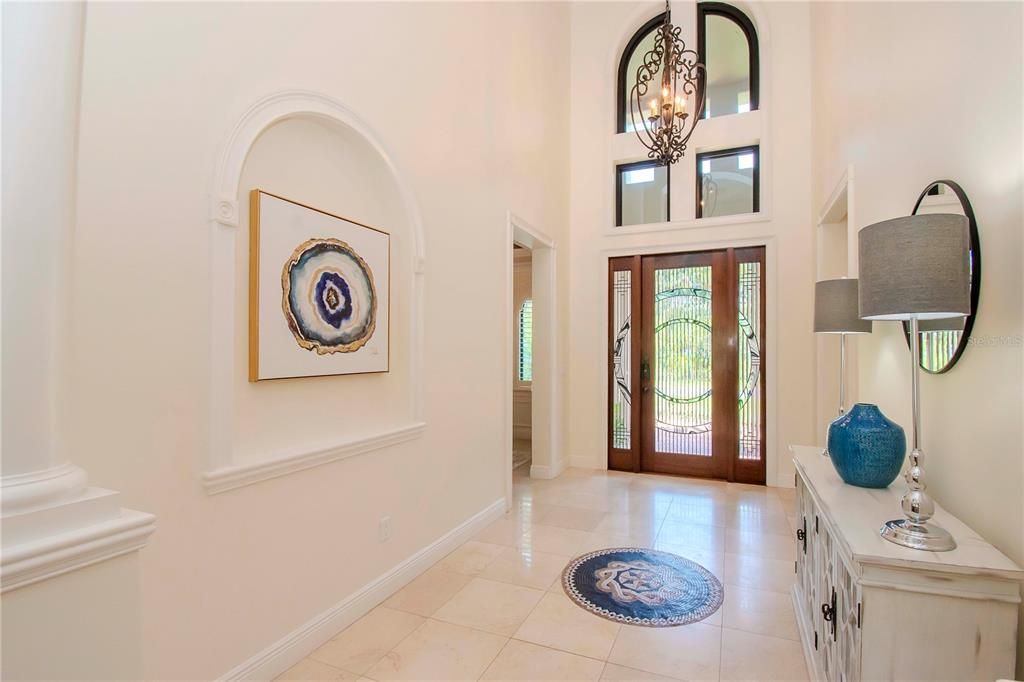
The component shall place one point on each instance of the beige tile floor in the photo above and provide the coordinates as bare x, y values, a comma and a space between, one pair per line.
494, 608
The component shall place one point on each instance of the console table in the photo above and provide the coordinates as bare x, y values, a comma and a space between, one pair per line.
868, 609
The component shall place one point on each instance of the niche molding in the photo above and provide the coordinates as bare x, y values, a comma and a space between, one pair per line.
224, 468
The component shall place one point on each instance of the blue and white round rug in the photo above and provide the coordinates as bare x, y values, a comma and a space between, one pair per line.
642, 587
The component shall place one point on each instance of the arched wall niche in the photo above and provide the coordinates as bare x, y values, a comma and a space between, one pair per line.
312, 149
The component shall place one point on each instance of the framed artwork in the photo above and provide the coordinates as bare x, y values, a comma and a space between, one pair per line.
318, 292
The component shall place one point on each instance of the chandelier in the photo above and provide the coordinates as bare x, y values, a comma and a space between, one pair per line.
665, 126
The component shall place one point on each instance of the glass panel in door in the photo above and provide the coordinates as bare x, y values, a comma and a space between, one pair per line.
682, 369
681, 363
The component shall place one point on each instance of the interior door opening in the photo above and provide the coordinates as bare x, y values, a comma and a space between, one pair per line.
686, 377
522, 361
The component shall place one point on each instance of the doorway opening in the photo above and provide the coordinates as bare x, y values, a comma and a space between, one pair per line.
533, 364
686, 372
522, 360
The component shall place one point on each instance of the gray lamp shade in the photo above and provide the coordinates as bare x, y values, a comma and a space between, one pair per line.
835, 308
949, 324
918, 266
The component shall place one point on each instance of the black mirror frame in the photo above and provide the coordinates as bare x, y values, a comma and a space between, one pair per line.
965, 336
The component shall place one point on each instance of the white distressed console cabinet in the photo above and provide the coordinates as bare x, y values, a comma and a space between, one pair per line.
871, 610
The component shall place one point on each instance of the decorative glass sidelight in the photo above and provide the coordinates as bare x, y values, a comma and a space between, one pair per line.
621, 295
681, 364
749, 361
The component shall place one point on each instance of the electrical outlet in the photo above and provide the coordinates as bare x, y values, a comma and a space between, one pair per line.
384, 529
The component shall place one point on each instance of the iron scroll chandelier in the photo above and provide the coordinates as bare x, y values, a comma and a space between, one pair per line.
665, 127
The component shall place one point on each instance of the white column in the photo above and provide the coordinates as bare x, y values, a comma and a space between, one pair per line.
42, 50
52, 522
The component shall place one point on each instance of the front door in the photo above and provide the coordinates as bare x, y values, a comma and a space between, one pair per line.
687, 378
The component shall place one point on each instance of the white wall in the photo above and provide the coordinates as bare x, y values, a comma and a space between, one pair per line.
82, 625
469, 126
522, 287
908, 94
599, 33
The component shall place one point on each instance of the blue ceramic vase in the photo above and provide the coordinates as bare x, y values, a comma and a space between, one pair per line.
866, 448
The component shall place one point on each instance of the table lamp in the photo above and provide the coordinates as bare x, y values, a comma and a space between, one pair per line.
836, 312
915, 268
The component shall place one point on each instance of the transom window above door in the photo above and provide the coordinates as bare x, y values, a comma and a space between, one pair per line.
727, 45
728, 175
641, 193
728, 182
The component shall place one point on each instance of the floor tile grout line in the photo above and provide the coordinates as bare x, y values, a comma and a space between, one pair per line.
561, 651
721, 643
397, 644
491, 662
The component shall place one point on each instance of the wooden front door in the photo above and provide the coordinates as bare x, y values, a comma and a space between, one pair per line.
685, 357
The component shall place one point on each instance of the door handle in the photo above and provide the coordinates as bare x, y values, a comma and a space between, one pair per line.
645, 376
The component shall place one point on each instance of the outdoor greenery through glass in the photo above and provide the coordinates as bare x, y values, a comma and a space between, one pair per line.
682, 360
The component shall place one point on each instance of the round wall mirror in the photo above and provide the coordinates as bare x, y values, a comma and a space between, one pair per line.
944, 341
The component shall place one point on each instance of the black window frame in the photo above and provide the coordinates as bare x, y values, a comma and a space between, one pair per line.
755, 149
740, 18
622, 168
620, 89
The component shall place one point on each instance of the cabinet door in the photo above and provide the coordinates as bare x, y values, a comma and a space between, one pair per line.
826, 598
807, 566
848, 619
838, 612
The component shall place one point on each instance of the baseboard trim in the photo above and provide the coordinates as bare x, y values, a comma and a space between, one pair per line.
585, 463
296, 645
546, 471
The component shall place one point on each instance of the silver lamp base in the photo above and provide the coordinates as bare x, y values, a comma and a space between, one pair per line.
928, 537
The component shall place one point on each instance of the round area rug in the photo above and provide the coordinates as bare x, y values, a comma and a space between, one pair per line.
642, 587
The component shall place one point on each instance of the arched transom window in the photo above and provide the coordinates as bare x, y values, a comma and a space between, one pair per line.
728, 174
727, 44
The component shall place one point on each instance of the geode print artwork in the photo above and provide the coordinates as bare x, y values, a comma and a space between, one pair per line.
328, 297
319, 292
